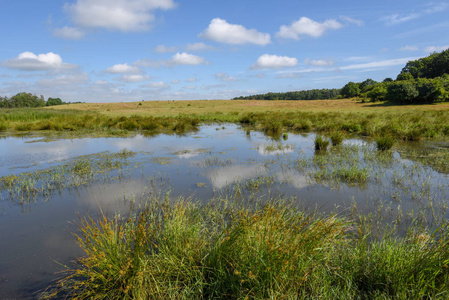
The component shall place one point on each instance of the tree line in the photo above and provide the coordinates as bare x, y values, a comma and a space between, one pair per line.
425, 80
315, 94
28, 100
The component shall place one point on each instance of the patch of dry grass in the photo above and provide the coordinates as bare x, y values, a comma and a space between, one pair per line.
200, 107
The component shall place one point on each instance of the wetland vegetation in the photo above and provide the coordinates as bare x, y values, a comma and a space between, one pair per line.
399, 123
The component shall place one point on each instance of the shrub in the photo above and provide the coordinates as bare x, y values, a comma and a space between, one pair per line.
404, 92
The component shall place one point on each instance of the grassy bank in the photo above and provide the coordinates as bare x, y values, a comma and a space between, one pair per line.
330, 117
13, 121
181, 250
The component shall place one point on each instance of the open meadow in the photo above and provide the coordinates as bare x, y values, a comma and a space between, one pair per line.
232, 107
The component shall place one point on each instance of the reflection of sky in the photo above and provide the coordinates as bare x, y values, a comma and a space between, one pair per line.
356, 142
266, 150
293, 177
109, 197
28, 154
223, 176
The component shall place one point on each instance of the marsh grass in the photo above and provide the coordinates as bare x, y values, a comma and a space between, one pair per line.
277, 148
336, 138
28, 187
67, 121
385, 143
436, 157
351, 175
183, 250
335, 117
321, 143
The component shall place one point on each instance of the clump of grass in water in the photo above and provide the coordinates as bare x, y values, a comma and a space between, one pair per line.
321, 143
385, 143
278, 147
351, 175
187, 251
337, 138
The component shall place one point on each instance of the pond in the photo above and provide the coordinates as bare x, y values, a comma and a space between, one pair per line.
47, 185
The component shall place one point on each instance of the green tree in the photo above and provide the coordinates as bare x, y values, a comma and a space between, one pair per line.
378, 93
351, 89
366, 85
403, 91
404, 76
54, 101
27, 100
431, 90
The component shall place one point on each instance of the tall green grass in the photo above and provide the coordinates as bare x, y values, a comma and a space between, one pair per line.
400, 125
321, 143
225, 250
74, 121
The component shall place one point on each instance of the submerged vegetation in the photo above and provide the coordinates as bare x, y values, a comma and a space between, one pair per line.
28, 187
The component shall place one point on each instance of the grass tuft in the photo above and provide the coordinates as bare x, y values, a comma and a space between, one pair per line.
321, 143
274, 251
385, 143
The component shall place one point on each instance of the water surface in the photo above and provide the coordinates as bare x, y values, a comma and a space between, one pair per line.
37, 230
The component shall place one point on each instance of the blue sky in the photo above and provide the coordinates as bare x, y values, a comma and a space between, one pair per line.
132, 50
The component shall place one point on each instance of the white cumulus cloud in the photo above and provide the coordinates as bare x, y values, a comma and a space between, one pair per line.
122, 68
306, 26
28, 61
186, 59
267, 61
220, 30
122, 15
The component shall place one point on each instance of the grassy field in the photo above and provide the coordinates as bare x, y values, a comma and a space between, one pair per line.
202, 107
330, 117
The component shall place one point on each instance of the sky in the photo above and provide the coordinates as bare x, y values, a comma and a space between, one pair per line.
133, 50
